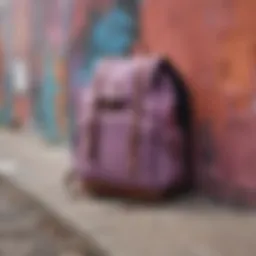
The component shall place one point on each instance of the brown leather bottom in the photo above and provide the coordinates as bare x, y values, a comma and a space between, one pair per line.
77, 186
100, 188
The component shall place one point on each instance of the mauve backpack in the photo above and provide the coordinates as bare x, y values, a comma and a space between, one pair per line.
133, 129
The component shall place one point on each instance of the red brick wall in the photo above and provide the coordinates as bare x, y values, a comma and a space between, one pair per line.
213, 42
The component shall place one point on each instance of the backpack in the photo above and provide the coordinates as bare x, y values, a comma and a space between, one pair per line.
132, 130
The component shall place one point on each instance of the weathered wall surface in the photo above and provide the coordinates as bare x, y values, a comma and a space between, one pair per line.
21, 56
6, 50
197, 36
59, 42
212, 43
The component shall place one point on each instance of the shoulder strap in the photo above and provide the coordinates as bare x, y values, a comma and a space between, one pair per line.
135, 134
92, 136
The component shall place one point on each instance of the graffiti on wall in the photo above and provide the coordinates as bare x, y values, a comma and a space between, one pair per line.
109, 28
5, 102
52, 92
100, 28
5, 92
36, 54
19, 70
54, 59
6, 52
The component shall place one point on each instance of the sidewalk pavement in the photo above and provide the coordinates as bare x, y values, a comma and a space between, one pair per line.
192, 227
26, 229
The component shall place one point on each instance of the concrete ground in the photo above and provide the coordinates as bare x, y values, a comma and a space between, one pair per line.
191, 227
27, 230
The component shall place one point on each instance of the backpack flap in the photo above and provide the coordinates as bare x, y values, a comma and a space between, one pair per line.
120, 84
